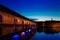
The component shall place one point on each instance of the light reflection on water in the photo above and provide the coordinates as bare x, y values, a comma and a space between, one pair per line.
15, 37
44, 36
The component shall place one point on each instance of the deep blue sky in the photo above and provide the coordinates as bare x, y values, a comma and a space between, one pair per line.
39, 9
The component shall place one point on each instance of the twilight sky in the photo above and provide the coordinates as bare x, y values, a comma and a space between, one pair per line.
36, 9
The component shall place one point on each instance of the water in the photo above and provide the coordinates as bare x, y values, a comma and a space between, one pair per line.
53, 34
44, 36
15, 37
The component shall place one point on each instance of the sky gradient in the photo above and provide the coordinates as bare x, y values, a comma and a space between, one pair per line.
36, 9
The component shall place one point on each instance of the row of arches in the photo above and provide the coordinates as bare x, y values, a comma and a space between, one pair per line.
13, 23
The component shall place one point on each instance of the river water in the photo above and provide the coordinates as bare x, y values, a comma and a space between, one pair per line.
52, 34
44, 36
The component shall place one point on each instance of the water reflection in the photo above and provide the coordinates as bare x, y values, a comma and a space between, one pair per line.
15, 37
44, 36
47, 34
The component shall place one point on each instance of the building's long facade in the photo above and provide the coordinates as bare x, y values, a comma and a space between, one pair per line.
11, 21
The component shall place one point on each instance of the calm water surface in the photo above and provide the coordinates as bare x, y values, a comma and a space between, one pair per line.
44, 36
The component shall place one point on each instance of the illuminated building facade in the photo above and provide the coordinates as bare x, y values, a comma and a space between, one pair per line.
11, 21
